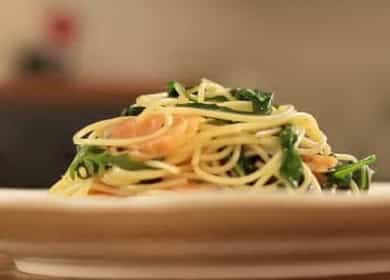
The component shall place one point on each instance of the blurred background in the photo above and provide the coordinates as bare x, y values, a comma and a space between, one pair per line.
66, 63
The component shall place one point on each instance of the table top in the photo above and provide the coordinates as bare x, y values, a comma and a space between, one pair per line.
51, 90
9, 272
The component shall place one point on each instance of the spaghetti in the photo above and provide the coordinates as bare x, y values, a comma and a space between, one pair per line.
208, 137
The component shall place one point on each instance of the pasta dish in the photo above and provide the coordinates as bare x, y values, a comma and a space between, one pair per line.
208, 137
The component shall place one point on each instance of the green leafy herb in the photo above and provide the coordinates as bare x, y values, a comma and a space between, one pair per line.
237, 169
175, 87
246, 165
172, 90
363, 178
261, 100
207, 106
124, 162
212, 107
359, 171
132, 110
91, 160
292, 167
218, 98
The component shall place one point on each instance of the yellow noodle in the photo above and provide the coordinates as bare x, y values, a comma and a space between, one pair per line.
217, 155
120, 177
229, 165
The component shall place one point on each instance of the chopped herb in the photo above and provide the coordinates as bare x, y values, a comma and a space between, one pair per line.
261, 100
292, 167
91, 160
132, 110
359, 171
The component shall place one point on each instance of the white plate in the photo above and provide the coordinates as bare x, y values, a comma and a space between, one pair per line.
202, 235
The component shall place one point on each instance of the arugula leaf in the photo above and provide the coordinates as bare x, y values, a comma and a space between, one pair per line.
207, 106
363, 178
347, 169
83, 165
237, 169
288, 137
175, 87
171, 89
124, 162
246, 165
132, 110
212, 107
261, 100
292, 167
91, 160
218, 98
343, 174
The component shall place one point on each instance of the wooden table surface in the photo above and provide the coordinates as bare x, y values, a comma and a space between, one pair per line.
8, 272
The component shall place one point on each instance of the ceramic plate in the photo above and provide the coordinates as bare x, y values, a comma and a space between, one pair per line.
197, 235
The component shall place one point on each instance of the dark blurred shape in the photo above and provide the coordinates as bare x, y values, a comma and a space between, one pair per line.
52, 54
32, 61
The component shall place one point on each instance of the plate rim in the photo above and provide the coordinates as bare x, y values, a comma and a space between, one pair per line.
12, 199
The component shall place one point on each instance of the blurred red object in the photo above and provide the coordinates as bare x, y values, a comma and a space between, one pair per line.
62, 28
